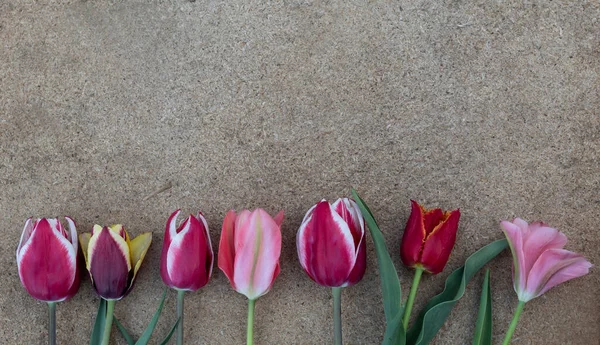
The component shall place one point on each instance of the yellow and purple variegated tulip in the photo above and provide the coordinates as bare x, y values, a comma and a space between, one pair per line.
47, 259
539, 260
249, 251
187, 256
112, 259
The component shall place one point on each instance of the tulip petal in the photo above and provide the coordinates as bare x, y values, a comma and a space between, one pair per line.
138, 248
210, 254
553, 267
84, 240
326, 247
109, 263
360, 266
47, 262
226, 246
539, 239
439, 243
431, 219
186, 257
170, 232
25, 235
348, 210
413, 237
514, 235
72, 233
278, 218
258, 247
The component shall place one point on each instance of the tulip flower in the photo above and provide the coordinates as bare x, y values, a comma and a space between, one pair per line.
113, 261
187, 259
539, 262
249, 253
426, 245
332, 249
47, 264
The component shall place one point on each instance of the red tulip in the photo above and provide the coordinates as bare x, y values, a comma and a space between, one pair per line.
429, 238
249, 251
112, 259
331, 243
47, 259
187, 256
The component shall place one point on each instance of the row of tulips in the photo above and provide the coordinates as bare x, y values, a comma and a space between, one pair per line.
331, 248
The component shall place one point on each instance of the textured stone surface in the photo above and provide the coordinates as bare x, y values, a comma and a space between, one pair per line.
490, 106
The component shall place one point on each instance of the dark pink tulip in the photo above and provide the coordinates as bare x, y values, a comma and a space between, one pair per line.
187, 257
331, 243
47, 259
539, 260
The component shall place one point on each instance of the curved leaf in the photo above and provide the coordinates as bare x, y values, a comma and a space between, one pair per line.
124, 332
390, 284
483, 327
170, 334
433, 316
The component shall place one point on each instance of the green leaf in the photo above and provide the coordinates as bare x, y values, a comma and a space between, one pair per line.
168, 337
124, 332
98, 330
145, 338
390, 284
433, 316
483, 327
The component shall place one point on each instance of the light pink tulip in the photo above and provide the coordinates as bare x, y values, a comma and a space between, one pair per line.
539, 260
249, 251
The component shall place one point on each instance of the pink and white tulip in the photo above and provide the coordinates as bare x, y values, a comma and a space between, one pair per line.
331, 243
249, 251
187, 256
47, 259
539, 260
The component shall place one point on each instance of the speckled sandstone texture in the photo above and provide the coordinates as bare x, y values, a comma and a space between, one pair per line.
490, 106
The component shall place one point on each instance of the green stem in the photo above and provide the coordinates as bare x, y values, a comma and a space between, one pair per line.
250, 332
52, 323
180, 294
513, 323
337, 315
110, 308
411, 296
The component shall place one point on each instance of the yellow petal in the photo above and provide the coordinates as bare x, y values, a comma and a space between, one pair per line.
138, 247
96, 228
84, 240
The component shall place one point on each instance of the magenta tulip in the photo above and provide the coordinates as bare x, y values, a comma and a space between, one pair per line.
332, 250
187, 259
47, 259
539, 262
47, 264
187, 256
331, 243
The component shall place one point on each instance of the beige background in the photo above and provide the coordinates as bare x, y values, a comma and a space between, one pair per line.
490, 106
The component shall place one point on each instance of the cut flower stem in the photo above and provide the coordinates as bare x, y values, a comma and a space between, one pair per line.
180, 295
110, 308
411, 296
513, 323
250, 331
52, 323
337, 315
